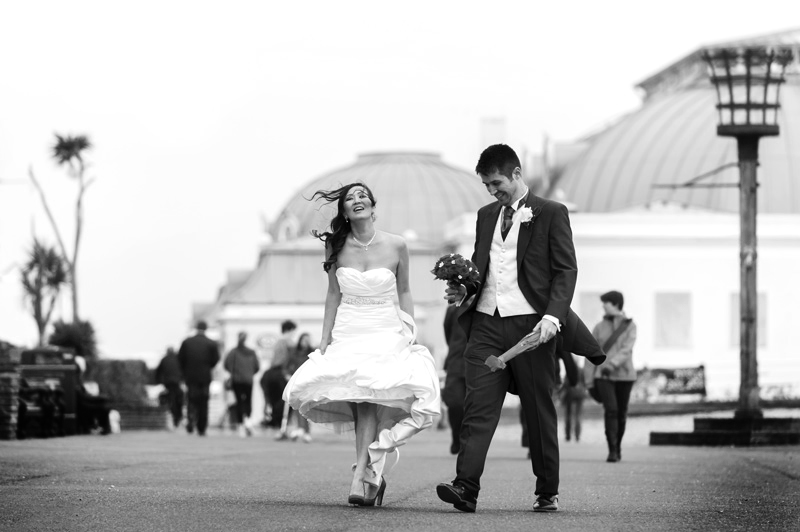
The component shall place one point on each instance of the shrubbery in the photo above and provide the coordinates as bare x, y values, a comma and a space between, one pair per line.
77, 335
122, 381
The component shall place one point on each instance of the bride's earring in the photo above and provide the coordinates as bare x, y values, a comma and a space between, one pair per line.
346, 220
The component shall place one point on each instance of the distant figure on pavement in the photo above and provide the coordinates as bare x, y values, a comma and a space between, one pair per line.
92, 411
298, 356
274, 379
198, 355
170, 376
572, 396
615, 377
242, 364
455, 384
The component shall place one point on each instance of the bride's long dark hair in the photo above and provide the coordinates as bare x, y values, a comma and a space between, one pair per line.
340, 226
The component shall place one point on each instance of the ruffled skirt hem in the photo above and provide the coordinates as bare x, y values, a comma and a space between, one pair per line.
407, 396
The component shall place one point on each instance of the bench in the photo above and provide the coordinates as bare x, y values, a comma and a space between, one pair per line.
41, 411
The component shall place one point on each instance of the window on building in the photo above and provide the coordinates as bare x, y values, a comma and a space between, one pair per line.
761, 318
673, 326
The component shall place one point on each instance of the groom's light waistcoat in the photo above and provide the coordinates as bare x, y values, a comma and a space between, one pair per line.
502, 290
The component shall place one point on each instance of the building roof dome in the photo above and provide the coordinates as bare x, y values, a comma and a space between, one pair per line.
416, 194
672, 139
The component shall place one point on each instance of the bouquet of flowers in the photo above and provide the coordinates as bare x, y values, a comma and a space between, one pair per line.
455, 269
528, 342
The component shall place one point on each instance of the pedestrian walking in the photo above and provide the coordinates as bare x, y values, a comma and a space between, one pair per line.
242, 365
273, 381
169, 375
198, 355
572, 395
614, 378
455, 384
297, 358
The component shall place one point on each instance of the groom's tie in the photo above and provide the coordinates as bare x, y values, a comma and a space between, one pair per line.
508, 212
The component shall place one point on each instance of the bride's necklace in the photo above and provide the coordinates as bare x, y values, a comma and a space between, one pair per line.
363, 245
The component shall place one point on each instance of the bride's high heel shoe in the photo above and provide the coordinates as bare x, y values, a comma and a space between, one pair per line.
356, 500
378, 499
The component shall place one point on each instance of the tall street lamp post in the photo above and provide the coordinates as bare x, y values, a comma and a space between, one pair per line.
748, 83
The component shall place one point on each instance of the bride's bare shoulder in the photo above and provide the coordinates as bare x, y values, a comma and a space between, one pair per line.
395, 241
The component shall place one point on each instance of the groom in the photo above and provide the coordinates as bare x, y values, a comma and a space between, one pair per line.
525, 254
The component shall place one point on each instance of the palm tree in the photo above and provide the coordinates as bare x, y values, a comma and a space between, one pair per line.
68, 151
43, 275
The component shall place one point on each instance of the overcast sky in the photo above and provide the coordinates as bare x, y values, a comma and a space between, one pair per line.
208, 116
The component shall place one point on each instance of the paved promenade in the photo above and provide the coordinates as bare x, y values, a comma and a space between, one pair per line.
162, 481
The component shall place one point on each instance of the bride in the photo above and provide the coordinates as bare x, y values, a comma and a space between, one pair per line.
368, 374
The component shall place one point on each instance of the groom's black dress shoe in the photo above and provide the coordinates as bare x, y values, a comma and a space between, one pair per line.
458, 496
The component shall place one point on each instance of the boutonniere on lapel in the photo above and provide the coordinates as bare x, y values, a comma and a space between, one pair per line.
525, 216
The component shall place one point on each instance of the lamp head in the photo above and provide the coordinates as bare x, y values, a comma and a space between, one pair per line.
747, 81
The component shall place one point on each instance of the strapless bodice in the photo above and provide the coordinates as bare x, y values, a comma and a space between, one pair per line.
379, 283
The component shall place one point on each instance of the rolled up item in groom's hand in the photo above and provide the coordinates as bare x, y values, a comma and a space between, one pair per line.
528, 342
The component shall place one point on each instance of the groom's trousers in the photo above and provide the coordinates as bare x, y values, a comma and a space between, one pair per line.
531, 375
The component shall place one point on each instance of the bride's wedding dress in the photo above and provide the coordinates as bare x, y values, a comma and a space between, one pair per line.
372, 358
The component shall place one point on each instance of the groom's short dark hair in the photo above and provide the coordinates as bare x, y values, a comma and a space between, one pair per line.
498, 158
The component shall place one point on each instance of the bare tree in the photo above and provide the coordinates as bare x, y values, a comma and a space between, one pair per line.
68, 151
43, 275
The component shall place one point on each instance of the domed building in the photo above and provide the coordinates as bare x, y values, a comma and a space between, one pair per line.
417, 196
674, 252
672, 140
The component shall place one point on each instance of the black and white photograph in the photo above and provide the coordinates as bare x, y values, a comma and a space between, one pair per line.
252, 252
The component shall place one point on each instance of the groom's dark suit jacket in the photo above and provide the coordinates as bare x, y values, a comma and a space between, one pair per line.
547, 271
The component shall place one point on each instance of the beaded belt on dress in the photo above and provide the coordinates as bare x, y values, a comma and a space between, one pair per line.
361, 301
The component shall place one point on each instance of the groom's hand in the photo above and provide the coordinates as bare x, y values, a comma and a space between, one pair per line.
455, 292
547, 330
